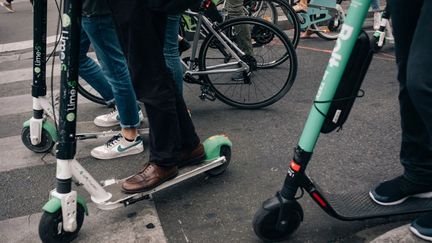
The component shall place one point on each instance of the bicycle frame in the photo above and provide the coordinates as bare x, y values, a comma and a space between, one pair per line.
229, 45
317, 8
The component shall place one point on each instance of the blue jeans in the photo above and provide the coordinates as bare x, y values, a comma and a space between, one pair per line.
375, 5
111, 78
171, 50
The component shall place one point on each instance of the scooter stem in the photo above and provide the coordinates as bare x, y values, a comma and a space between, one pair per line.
333, 73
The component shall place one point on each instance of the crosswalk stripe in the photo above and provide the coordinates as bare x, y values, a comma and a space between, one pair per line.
134, 223
10, 107
22, 74
15, 155
22, 45
17, 75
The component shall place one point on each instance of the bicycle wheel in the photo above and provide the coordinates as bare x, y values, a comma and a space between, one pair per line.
278, 12
265, 84
329, 29
88, 92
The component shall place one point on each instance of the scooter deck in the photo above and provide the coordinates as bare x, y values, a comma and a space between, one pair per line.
120, 198
353, 206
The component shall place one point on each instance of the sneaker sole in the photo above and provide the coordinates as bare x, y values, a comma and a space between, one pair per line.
420, 195
104, 124
119, 155
415, 232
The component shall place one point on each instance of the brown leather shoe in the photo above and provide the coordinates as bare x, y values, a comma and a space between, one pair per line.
150, 176
193, 157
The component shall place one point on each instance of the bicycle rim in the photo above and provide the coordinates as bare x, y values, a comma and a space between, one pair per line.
266, 85
330, 29
279, 13
91, 94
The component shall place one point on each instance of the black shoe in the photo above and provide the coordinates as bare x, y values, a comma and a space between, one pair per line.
396, 191
183, 46
422, 227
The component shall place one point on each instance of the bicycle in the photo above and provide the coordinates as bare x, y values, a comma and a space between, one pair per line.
222, 58
323, 17
214, 84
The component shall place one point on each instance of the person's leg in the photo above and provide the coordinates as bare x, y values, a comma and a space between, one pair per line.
415, 155
418, 162
235, 9
375, 5
171, 129
102, 35
301, 5
171, 50
417, 159
376, 8
91, 72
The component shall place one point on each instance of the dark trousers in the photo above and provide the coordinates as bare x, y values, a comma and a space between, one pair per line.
141, 34
412, 28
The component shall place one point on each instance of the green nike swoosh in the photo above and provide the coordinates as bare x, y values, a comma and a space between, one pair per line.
121, 149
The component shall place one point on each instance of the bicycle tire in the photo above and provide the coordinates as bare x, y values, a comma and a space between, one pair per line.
280, 91
92, 96
338, 15
289, 23
258, 11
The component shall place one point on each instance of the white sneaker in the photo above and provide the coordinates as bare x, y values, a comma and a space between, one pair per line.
112, 119
8, 6
377, 20
117, 147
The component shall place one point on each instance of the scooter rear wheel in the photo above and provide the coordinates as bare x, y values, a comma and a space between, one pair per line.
51, 226
224, 151
265, 222
44, 146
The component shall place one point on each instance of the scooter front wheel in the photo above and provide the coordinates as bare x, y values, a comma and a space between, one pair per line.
268, 225
225, 150
51, 226
46, 141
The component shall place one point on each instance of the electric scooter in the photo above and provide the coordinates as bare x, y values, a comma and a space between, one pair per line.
38, 134
279, 216
384, 32
64, 213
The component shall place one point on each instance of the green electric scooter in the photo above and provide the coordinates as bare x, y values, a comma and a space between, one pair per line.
64, 213
279, 216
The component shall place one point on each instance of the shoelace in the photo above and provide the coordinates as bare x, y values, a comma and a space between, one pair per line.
112, 112
115, 139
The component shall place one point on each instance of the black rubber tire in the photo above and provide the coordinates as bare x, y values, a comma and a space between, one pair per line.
290, 16
264, 223
289, 56
44, 146
331, 37
225, 150
92, 97
50, 223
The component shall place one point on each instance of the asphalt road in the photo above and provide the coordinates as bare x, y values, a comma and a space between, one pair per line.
221, 209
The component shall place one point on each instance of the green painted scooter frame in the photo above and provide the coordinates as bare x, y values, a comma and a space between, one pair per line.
282, 214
